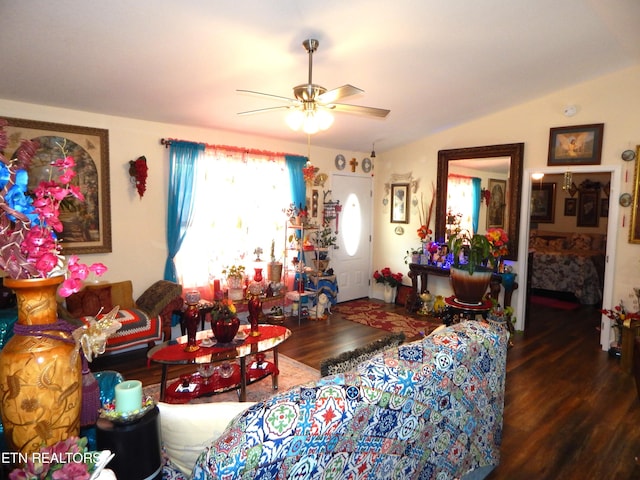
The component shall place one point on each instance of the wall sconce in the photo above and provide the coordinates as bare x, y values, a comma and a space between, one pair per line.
568, 181
373, 150
537, 176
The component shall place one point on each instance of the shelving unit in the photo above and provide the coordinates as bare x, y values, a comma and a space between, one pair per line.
297, 294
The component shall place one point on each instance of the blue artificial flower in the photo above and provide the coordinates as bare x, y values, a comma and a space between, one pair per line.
5, 174
17, 199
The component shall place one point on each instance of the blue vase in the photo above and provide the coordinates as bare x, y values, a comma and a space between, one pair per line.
508, 279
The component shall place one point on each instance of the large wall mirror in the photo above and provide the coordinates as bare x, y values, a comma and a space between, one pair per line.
500, 161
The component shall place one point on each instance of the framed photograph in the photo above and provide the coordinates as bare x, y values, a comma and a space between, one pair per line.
543, 200
87, 225
497, 203
400, 203
604, 207
588, 202
570, 207
577, 145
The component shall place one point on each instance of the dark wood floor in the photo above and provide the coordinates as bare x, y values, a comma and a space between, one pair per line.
570, 411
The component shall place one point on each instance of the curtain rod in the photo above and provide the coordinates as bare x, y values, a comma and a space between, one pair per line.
252, 151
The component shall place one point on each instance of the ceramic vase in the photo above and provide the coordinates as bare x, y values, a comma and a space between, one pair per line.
40, 372
225, 329
470, 289
389, 293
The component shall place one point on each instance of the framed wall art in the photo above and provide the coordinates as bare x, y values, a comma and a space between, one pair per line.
634, 228
543, 200
570, 207
497, 203
400, 203
87, 225
588, 202
577, 145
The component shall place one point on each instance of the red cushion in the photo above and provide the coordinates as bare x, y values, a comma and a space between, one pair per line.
89, 301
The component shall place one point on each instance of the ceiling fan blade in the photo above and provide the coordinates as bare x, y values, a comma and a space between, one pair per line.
359, 110
263, 110
338, 93
278, 97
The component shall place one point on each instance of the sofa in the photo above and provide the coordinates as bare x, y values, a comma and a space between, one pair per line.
426, 409
145, 320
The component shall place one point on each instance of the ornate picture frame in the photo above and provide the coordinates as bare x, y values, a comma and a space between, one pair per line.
576, 145
588, 203
634, 228
543, 200
87, 225
400, 199
570, 207
496, 208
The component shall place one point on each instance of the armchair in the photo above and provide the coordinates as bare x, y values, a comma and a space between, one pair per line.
144, 321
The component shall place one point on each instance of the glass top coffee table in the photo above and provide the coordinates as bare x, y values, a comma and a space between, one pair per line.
228, 375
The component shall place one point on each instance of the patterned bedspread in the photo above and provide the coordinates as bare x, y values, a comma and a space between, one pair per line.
567, 271
427, 409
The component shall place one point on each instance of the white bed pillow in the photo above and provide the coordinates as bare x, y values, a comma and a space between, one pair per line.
187, 429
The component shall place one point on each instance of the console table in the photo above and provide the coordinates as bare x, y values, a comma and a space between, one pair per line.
419, 274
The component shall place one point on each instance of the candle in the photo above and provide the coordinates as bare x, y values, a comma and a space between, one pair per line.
128, 396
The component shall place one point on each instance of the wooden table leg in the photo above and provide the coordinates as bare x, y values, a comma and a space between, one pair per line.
163, 381
243, 379
274, 377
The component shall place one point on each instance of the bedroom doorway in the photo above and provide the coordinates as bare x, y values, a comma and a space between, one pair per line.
612, 219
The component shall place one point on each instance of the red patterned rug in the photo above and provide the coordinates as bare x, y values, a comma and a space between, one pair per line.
378, 314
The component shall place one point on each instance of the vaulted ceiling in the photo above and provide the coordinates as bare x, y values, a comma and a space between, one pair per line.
433, 63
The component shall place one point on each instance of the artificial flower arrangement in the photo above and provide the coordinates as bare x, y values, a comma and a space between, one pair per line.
69, 459
498, 241
223, 310
138, 170
425, 217
387, 277
30, 224
619, 315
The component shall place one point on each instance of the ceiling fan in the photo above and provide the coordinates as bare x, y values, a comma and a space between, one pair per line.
312, 103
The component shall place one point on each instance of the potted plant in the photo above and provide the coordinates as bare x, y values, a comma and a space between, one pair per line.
390, 280
469, 274
224, 320
235, 278
412, 255
274, 268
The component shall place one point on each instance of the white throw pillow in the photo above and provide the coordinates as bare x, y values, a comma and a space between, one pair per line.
187, 429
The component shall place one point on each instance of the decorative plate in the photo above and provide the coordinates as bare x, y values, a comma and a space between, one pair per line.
628, 155
340, 162
109, 412
366, 165
625, 199
399, 230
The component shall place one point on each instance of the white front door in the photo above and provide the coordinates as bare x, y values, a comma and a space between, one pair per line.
351, 261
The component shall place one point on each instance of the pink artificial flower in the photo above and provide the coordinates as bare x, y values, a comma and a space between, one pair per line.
46, 263
69, 287
98, 268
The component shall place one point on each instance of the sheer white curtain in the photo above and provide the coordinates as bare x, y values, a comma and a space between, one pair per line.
239, 199
460, 201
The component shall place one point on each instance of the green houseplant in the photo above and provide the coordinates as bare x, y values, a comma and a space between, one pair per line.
470, 279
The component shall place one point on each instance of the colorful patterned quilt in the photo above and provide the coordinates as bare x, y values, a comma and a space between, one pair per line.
427, 409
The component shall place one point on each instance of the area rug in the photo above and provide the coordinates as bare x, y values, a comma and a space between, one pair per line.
378, 315
292, 373
552, 302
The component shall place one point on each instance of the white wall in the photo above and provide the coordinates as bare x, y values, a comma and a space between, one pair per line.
613, 100
138, 225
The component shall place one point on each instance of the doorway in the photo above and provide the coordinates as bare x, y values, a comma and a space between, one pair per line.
612, 233
351, 260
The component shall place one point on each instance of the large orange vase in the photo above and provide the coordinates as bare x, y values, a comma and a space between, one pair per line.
40, 376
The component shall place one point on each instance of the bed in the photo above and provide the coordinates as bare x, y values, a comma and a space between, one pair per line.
568, 263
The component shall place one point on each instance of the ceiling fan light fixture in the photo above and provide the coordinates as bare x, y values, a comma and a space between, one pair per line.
309, 121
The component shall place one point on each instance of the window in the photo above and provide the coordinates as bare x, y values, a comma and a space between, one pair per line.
239, 200
460, 200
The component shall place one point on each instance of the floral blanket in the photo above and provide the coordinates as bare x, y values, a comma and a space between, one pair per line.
563, 271
427, 409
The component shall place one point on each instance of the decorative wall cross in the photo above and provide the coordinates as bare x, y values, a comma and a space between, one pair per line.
353, 164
